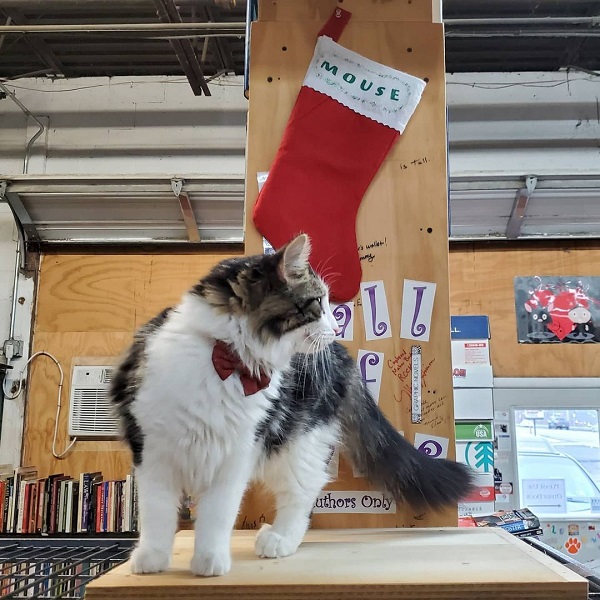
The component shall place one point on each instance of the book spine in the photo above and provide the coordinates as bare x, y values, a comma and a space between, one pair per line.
99, 503
6, 507
79, 517
111, 507
104, 526
53, 507
86, 502
41, 504
135, 517
75, 512
2, 495
32, 507
20, 506
14, 507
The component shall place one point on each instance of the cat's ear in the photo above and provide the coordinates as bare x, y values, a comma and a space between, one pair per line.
294, 259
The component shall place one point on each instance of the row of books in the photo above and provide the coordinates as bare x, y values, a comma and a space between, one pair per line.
62, 504
521, 522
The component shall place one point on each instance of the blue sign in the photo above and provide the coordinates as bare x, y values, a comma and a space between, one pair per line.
469, 327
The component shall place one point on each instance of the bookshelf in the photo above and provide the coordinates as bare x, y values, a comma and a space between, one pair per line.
60, 505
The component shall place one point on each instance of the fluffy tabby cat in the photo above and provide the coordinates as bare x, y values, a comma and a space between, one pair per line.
290, 395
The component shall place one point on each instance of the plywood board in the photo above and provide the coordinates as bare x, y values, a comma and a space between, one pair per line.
428, 564
482, 283
88, 307
363, 10
402, 223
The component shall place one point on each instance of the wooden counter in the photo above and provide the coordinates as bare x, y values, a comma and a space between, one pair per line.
440, 564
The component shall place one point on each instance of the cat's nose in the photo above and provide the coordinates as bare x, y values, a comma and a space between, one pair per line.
337, 330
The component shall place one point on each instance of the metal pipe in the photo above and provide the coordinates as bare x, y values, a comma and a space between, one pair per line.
33, 4
36, 135
592, 20
237, 28
560, 33
249, 19
13, 313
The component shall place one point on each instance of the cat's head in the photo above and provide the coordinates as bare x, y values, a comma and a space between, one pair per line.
278, 296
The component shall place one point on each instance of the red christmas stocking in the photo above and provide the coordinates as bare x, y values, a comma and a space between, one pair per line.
349, 112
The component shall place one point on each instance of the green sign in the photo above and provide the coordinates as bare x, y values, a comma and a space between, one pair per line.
473, 432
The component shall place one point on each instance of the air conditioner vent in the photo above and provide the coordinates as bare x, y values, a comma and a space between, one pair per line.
90, 412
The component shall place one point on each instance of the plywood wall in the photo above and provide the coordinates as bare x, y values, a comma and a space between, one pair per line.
403, 216
88, 307
481, 282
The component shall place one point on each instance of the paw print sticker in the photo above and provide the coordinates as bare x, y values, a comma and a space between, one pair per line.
572, 545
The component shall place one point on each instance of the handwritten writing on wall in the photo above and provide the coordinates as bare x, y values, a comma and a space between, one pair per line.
344, 315
434, 412
400, 367
417, 306
416, 162
368, 252
375, 310
370, 365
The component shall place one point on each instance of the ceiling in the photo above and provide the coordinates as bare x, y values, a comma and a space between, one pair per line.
206, 38
495, 35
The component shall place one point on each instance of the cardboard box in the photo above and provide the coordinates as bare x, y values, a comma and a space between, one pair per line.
472, 376
473, 404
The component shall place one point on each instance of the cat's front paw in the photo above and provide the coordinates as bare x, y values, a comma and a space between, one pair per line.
147, 560
211, 564
270, 544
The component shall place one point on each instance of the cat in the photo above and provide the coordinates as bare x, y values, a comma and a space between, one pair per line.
243, 381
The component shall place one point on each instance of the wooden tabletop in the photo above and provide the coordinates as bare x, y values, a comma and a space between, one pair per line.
439, 564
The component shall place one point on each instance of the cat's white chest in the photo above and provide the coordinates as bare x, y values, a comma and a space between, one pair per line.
198, 418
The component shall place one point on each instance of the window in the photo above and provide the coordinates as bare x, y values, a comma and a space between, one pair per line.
558, 460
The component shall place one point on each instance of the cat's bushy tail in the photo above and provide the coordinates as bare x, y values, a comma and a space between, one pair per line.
394, 465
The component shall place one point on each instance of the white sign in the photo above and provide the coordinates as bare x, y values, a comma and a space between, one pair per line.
417, 306
432, 445
375, 311
370, 365
374, 503
344, 315
544, 495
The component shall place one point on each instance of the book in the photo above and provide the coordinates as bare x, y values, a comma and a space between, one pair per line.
521, 522
41, 505
61, 504
74, 514
54, 503
90, 500
48, 503
21, 473
79, 527
68, 510
21, 506
33, 507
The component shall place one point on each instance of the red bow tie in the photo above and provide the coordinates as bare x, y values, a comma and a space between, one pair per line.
227, 362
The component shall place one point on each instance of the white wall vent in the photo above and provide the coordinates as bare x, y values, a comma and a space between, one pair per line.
90, 413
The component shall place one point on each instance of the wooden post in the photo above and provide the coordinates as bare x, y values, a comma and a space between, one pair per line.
402, 225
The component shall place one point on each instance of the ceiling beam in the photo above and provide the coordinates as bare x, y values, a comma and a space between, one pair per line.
184, 29
168, 13
224, 50
38, 45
